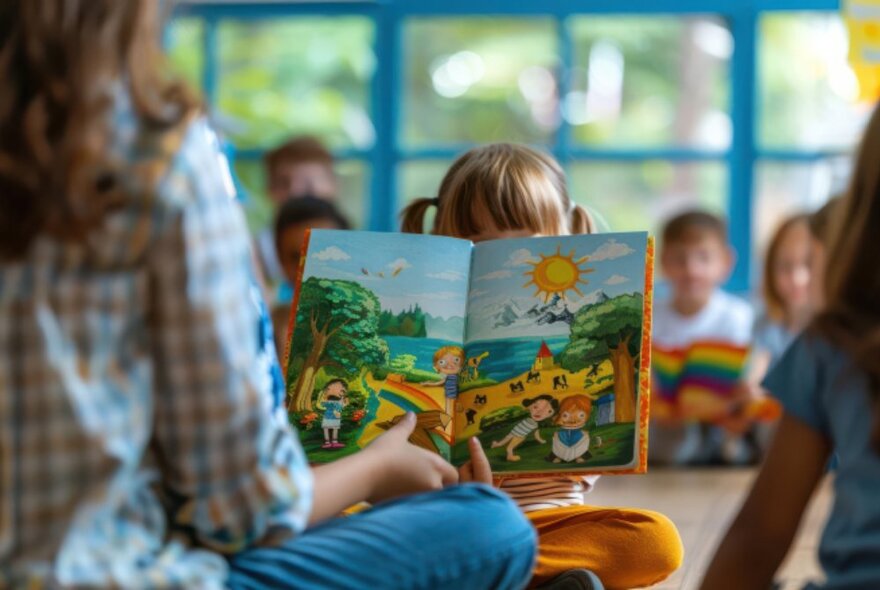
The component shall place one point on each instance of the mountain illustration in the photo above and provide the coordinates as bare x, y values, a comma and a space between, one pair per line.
503, 314
445, 329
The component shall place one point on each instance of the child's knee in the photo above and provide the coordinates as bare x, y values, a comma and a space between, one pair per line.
662, 551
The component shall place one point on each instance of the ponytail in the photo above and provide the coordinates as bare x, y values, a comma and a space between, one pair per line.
581, 221
412, 219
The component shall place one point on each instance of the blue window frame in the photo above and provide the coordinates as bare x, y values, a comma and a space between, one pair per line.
386, 89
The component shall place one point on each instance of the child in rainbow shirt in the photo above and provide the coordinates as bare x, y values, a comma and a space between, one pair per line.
698, 327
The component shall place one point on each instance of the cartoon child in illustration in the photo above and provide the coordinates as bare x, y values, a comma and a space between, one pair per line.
571, 442
332, 400
448, 361
540, 408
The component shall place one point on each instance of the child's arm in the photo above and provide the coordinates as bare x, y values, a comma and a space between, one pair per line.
761, 534
442, 381
387, 468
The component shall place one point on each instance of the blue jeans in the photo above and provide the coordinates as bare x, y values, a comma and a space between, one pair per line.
463, 537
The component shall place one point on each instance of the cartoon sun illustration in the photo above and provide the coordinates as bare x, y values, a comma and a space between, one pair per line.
557, 274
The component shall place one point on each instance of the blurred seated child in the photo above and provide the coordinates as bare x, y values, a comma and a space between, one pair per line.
829, 384
300, 167
696, 260
786, 290
788, 307
295, 217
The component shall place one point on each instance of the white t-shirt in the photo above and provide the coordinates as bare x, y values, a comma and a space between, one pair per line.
725, 318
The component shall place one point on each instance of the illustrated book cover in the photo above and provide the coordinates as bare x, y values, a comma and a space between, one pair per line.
540, 347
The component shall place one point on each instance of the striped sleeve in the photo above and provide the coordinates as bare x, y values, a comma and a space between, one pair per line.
547, 492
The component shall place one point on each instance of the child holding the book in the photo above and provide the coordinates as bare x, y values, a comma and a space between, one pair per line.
504, 191
696, 260
829, 384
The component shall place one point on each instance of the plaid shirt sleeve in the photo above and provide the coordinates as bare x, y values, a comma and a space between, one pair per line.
231, 466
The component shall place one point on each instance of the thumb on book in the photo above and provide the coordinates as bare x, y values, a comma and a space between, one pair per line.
406, 425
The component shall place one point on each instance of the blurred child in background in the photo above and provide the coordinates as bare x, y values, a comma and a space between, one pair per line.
696, 260
300, 167
787, 295
294, 219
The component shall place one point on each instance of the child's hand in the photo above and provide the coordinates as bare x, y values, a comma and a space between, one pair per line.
402, 468
477, 469
737, 421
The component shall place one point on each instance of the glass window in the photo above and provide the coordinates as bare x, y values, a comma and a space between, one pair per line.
649, 81
473, 80
787, 188
808, 92
353, 176
290, 76
640, 196
183, 43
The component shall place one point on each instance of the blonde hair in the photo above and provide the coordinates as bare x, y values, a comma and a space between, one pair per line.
851, 318
502, 186
772, 298
444, 350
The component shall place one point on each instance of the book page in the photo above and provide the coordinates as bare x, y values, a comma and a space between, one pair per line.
378, 326
556, 351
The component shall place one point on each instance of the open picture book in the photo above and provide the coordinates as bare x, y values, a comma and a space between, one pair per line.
540, 347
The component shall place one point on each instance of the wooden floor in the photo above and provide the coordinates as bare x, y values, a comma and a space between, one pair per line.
702, 504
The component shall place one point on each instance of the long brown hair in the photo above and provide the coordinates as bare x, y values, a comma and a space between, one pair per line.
851, 317
61, 63
504, 186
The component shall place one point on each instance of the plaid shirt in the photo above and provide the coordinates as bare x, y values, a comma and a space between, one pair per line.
138, 439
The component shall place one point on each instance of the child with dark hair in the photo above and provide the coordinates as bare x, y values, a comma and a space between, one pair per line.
332, 401
539, 408
294, 219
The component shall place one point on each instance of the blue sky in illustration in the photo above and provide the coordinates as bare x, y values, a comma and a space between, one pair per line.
618, 261
401, 269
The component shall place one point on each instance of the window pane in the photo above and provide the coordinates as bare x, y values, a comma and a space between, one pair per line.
184, 46
298, 75
641, 196
783, 189
648, 81
479, 79
808, 92
353, 178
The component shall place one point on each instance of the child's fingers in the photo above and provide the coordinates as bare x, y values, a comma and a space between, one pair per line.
480, 468
448, 473
405, 427
466, 473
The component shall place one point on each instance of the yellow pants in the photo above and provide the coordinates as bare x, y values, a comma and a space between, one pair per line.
625, 547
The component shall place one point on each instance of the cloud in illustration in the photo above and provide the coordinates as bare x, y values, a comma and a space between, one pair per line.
400, 263
520, 257
478, 293
495, 275
610, 250
616, 280
332, 253
447, 275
